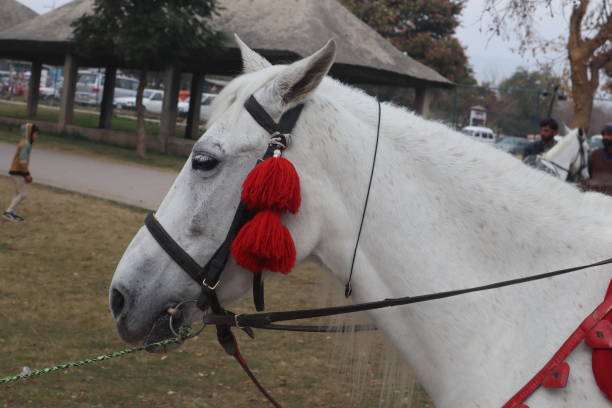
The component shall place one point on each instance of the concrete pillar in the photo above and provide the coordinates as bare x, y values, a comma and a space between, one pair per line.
423, 100
34, 89
195, 104
66, 111
167, 125
108, 95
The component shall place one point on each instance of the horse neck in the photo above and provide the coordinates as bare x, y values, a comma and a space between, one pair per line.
448, 213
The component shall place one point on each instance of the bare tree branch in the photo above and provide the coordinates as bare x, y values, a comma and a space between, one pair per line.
604, 34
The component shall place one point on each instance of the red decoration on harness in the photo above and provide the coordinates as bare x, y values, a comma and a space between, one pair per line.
602, 358
272, 188
264, 243
600, 339
557, 376
272, 185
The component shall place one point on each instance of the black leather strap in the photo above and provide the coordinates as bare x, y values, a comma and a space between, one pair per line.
260, 115
173, 249
263, 320
258, 292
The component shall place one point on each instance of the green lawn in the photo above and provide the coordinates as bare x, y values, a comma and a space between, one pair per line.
55, 271
83, 147
84, 119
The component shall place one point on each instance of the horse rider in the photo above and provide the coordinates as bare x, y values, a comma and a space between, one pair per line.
549, 128
600, 163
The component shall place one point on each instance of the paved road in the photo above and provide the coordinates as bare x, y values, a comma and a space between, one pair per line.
132, 185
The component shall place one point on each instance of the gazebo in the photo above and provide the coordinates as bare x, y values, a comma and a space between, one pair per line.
14, 13
281, 30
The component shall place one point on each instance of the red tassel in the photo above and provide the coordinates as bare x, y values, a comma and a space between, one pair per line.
272, 185
264, 243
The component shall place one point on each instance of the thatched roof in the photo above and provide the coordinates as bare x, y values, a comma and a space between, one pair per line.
12, 13
281, 30
303, 26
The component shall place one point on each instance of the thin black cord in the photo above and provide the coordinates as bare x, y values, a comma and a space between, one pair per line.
348, 288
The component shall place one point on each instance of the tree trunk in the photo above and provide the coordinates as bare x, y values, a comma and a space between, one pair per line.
141, 138
587, 57
583, 87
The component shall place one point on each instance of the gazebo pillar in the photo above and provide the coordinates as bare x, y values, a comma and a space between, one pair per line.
423, 101
167, 125
66, 112
195, 104
108, 95
34, 89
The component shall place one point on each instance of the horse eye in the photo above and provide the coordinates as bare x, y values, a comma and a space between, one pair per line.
203, 162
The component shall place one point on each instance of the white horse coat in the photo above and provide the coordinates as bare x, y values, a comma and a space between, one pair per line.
445, 212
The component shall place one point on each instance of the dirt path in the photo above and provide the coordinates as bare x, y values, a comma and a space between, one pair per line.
132, 185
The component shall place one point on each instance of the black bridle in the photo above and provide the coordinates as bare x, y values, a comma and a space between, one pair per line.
208, 276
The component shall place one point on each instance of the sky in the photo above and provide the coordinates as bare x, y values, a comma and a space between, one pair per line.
492, 59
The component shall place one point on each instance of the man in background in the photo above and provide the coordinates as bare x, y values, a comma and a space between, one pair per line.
19, 171
600, 162
549, 128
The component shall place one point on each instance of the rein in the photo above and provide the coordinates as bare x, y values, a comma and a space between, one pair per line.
208, 276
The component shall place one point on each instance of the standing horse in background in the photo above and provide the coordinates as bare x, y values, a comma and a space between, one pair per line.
567, 160
445, 212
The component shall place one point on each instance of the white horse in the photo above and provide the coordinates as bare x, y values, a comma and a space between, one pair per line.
567, 160
445, 212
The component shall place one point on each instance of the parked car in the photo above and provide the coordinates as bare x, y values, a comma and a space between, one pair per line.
513, 145
205, 110
90, 86
480, 133
596, 142
153, 104
129, 102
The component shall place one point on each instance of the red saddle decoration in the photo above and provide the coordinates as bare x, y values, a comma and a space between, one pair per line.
600, 340
596, 331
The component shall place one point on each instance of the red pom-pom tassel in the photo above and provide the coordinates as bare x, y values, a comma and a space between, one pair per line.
273, 185
264, 243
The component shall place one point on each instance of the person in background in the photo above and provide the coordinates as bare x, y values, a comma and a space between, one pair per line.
549, 128
19, 171
600, 162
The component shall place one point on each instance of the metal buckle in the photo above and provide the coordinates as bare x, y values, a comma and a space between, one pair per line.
236, 321
210, 287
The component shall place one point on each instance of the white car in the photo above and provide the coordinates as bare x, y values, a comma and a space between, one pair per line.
480, 133
129, 102
153, 104
205, 109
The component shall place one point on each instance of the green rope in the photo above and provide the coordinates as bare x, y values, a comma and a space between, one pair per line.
88, 361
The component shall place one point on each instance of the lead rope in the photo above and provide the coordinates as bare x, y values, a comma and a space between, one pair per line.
348, 289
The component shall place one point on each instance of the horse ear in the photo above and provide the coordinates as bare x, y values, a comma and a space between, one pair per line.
251, 61
301, 78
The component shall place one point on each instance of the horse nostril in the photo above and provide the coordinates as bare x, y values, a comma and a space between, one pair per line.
117, 301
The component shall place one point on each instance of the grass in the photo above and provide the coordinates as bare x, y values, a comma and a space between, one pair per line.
83, 147
85, 119
55, 270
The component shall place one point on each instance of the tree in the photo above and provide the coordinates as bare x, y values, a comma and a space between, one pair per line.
588, 44
524, 99
424, 29
141, 33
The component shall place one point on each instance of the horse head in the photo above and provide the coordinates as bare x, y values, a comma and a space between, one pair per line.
198, 209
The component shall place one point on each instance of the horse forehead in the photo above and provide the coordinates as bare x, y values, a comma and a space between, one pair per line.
231, 135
